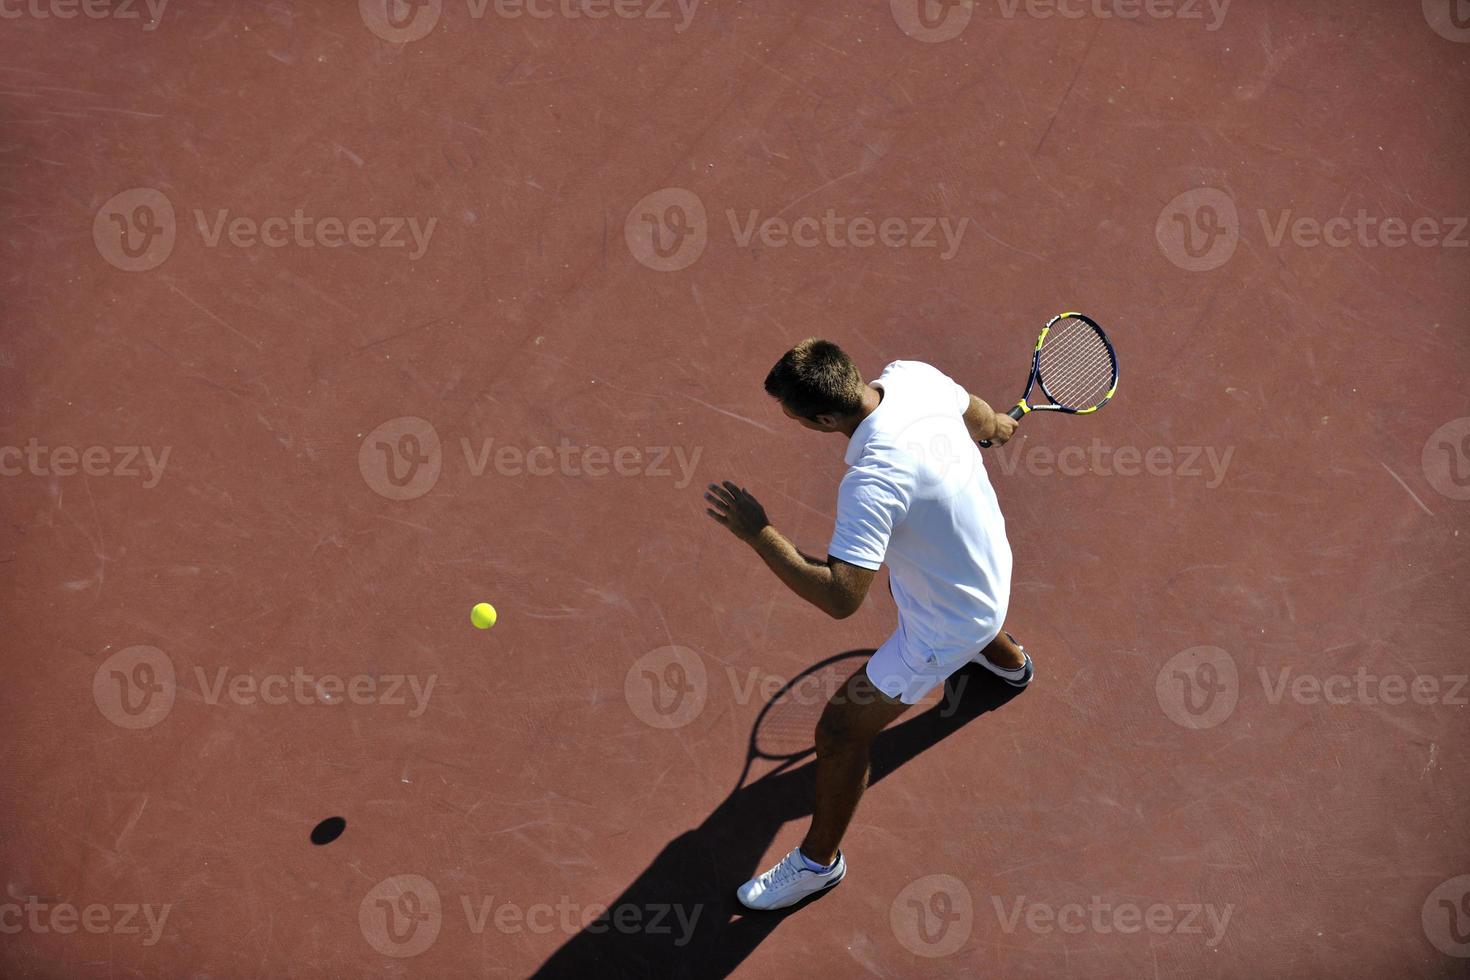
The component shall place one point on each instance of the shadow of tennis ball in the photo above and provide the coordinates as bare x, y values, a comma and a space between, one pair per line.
328, 830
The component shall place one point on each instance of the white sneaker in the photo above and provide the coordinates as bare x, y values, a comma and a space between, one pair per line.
1018, 677
788, 882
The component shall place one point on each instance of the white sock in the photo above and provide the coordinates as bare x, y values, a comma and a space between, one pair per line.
1016, 672
814, 866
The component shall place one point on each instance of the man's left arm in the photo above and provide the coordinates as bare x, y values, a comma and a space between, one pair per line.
836, 587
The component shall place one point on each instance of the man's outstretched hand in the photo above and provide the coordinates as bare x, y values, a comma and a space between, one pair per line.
733, 507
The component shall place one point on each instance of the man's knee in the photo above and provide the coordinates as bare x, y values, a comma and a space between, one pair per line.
850, 721
836, 729
854, 716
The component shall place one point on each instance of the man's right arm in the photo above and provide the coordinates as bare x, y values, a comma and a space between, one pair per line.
984, 422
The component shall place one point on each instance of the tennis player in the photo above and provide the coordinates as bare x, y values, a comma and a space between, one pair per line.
916, 497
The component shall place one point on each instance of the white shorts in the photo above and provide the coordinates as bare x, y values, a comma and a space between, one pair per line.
902, 670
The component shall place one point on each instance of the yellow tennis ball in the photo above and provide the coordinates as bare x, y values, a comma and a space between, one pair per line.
483, 616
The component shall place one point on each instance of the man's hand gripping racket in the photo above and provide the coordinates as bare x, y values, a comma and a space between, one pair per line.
1073, 364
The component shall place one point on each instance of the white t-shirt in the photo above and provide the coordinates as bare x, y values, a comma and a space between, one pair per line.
917, 497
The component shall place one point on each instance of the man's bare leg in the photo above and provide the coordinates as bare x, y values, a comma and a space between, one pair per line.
851, 721
1004, 653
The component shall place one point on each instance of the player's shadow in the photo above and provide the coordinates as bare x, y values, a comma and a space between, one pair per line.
680, 918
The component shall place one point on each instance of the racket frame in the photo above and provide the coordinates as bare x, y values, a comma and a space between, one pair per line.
1024, 407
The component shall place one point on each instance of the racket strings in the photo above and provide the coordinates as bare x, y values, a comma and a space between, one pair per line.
1076, 365
1083, 382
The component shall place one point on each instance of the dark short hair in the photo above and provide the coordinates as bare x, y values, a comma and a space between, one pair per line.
816, 377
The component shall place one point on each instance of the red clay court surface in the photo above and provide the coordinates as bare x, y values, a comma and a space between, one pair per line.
257, 469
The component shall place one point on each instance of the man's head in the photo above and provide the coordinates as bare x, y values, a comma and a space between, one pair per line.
817, 385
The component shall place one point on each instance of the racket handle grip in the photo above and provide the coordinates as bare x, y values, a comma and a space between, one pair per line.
1016, 412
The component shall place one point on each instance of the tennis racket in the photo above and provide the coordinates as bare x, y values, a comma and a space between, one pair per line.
1074, 365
